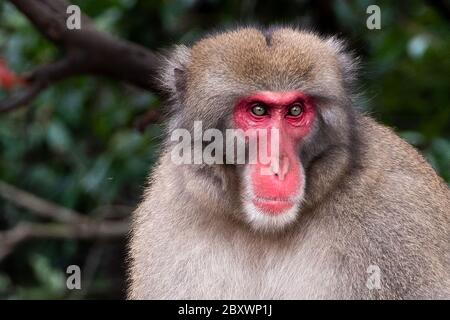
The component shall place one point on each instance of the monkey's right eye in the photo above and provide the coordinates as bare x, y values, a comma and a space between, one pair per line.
259, 110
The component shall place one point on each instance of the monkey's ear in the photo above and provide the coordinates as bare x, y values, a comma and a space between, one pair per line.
173, 74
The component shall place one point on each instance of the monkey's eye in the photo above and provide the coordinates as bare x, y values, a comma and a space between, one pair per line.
259, 110
295, 110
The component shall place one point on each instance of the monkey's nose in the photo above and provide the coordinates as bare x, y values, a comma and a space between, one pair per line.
280, 167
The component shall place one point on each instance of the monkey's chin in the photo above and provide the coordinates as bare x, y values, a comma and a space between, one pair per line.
270, 215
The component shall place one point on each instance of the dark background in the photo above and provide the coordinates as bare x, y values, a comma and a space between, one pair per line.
77, 145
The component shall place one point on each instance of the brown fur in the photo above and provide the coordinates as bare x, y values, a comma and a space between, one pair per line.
371, 199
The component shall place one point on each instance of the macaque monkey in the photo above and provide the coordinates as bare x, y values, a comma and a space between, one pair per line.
345, 210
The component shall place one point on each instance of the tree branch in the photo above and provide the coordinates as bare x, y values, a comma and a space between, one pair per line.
151, 116
21, 99
39, 206
88, 51
24, 231
71, 224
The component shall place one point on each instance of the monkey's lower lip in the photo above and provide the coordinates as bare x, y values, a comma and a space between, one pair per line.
273, 206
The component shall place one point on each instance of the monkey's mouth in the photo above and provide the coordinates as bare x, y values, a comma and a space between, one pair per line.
273, 205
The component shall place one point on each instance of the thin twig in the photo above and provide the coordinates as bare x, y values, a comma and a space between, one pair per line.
38, 205
151, 116
10, 239
70, 224
22, 99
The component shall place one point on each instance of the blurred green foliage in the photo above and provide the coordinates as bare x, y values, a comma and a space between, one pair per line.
77, 146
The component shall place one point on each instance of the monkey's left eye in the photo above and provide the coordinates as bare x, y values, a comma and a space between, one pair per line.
295, 110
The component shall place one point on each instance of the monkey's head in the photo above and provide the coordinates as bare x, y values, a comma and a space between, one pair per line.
292, 84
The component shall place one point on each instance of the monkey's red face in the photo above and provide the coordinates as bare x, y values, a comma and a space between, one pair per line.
275, 188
